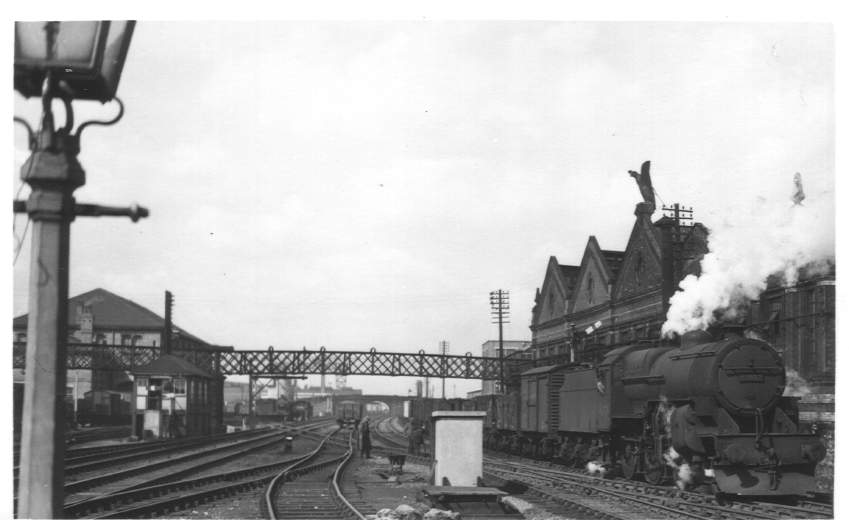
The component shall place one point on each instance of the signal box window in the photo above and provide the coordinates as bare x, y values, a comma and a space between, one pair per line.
141, 393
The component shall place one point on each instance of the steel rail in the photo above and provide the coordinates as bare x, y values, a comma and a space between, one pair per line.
280, 478
171, 477
337, 490
79, 485
556, 492
94, 462
104, 502
767, 509
170, 503
81, 455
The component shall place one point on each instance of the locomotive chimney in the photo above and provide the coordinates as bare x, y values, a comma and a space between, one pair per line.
695, 337
733, 330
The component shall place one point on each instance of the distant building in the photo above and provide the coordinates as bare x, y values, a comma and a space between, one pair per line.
315, 391
491, 349
236, 397
799, 321
104, 318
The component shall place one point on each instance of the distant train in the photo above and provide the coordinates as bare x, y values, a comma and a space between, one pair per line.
273, 409
707, 414
349, 412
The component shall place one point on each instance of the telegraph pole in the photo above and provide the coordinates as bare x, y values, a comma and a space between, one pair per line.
499, 301
443, 349
166, 335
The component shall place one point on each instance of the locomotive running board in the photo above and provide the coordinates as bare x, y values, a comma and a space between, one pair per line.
743, 480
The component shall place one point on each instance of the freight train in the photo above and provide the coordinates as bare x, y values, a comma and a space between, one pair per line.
707, 414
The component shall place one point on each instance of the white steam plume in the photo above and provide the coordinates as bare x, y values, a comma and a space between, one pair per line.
772, 237
683, 473
594, 468
796, 385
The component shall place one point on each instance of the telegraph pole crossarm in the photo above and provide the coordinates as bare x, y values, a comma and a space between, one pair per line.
499, 302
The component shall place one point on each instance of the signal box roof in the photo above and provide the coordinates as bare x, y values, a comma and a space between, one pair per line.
170, 365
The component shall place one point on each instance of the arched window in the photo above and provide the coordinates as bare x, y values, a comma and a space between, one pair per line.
590, 287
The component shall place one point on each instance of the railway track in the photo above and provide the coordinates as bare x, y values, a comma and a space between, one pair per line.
576, 493
153, 497
79, 437
626, 500
311, 487
391, 438
819, 506
76, 456
165, 469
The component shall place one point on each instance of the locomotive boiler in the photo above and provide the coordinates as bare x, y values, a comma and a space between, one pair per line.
708, 412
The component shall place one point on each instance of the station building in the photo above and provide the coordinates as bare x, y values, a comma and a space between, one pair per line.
100, 317
616, 297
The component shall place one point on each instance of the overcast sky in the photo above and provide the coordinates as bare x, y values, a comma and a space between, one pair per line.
363, 184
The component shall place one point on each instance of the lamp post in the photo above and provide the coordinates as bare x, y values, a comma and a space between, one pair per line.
69, 61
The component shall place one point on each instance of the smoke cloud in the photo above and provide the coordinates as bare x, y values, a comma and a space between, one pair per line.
771, 237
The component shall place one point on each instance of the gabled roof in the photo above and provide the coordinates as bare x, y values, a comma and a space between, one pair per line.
606, 264
171, 365
111, 311
644, 252
613, 259
569, 273
557, 289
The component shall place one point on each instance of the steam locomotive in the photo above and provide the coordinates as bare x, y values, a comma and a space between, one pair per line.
708, 413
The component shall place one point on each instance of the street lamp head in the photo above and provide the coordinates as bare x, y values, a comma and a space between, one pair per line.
85, 58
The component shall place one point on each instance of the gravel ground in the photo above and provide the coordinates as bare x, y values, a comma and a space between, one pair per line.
247, 504
244, 506
530, 511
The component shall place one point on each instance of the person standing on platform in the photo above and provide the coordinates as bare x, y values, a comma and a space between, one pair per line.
417, 439
365, 439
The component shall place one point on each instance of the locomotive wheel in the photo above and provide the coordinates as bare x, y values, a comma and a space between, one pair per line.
567, 452
653, 468
580, 455
628, 463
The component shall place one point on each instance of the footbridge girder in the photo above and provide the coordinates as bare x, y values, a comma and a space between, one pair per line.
285, 362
